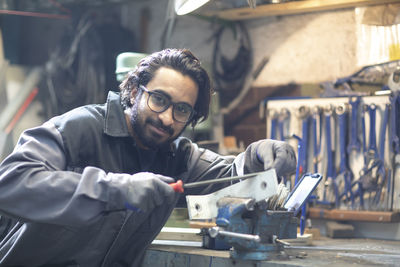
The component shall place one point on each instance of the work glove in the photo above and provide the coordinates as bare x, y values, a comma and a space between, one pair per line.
144, 191
278, 155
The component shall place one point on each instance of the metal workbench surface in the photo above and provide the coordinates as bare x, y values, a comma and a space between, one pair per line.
322, 252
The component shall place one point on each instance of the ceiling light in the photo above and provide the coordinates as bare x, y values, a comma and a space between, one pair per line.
183, 7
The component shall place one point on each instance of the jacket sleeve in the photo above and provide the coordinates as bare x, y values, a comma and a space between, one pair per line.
34, 185
204, 164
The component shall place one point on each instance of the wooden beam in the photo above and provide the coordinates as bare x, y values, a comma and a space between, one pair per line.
294, 7
354, 215
179, 234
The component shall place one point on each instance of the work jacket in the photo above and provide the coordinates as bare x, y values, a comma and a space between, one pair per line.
58, 205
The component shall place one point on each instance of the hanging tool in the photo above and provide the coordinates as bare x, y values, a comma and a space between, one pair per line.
355, 156
283, 127
394, 138
283, 121
274, 123
354, 143
252, 3
359, 192
383, 169
344, 178
316, 142
330, 169
369, 179
395, 125
316, 138
304, 115
279, 121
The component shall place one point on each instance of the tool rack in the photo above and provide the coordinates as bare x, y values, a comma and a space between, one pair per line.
324, 132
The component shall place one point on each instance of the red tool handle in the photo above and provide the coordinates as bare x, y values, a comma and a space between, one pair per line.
178, 186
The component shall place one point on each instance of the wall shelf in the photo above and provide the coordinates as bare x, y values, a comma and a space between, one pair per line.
294, 7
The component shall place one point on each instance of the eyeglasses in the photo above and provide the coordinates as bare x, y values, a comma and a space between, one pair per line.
159, 102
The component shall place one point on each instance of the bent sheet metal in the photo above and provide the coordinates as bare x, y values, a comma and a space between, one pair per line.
263, 185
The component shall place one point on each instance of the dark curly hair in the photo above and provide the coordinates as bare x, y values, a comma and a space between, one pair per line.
181, 60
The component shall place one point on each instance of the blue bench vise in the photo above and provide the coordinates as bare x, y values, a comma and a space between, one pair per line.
253, 232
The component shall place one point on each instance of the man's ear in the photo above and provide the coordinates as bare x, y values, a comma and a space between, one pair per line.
133, 95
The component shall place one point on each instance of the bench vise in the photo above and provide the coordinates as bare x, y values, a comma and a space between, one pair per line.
254, 232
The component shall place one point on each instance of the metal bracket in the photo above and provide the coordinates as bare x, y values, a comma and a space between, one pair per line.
261, 186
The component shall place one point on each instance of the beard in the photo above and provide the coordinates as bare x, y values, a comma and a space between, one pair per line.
151, 141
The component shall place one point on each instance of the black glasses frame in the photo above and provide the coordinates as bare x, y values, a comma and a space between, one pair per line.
169, 103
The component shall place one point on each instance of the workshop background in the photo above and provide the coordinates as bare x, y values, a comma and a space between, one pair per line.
281, 69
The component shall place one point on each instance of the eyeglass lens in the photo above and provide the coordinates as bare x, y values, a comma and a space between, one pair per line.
157, 102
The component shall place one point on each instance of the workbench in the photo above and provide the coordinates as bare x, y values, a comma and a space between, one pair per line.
322, 252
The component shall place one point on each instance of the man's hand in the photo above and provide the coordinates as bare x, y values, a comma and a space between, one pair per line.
147, 190
277, 154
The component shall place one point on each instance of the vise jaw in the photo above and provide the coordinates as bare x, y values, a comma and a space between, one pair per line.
254, 232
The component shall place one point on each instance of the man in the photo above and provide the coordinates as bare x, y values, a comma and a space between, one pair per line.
90, 187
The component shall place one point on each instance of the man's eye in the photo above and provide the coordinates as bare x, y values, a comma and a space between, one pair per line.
159, 99
183, 109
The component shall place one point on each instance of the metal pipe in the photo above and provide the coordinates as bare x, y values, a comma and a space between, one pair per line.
219, 180
12, 108
34, 14
282, 242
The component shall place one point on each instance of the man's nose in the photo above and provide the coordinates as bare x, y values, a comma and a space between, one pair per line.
166, 117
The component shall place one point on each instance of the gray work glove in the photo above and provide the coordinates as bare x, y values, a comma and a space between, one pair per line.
145, 190
278, 155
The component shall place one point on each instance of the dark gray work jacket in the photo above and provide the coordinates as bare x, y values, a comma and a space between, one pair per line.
58, 206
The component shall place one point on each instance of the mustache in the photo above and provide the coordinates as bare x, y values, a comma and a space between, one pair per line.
159, 124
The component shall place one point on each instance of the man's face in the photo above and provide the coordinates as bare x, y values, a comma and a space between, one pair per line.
151, 129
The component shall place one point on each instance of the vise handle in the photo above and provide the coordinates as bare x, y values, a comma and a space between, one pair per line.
215, 231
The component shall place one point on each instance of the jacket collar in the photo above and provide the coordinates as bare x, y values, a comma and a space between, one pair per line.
115, 124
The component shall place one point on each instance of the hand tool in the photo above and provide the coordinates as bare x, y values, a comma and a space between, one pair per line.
394, 124
382, 133
369, 177
316, 138
283, 127
330, 172
304, 114
383, 170
394, 143
372, 128
364, 171
316, 129
355, 157
252, 3
274, 123
283, 122
345, 176
354, 143
179, 186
